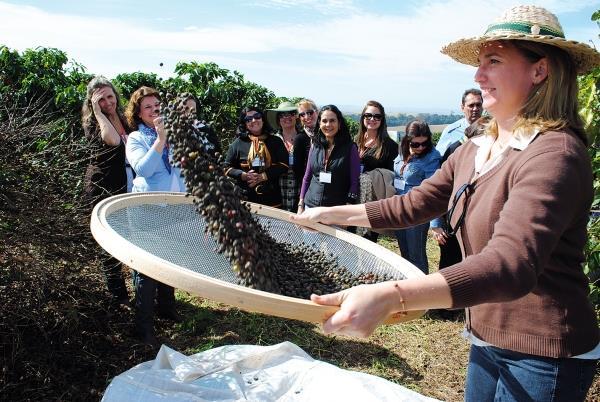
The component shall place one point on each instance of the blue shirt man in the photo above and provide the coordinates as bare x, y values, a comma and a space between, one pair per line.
471, 106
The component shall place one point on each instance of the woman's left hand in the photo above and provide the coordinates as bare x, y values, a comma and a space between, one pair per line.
362, 308
315, 215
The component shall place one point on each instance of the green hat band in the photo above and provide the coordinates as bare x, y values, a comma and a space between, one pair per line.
524, 28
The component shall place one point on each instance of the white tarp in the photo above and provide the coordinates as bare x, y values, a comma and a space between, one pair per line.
282, 372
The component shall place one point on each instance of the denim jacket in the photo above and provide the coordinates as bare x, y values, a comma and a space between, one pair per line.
417, 170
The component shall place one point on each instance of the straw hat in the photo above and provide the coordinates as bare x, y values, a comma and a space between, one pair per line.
531, 23
283, 107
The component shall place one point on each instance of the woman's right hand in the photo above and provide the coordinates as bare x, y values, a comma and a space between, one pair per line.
96, 98
253, 178
362, 308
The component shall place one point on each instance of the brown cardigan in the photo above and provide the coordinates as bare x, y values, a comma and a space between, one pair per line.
523, 238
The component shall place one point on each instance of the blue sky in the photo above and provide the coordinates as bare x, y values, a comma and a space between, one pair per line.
333, 51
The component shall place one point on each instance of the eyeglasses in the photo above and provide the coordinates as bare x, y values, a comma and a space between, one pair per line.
465, 190
372, 116
309, 112
415, 145
287, 114
255, 116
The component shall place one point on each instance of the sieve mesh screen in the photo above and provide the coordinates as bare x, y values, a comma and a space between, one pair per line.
175, 233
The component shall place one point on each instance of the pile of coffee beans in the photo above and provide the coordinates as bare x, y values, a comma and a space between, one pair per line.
259, 261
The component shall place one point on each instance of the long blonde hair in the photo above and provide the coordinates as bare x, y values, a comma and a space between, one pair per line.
552, 104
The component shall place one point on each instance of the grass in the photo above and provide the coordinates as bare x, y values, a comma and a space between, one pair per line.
426, 355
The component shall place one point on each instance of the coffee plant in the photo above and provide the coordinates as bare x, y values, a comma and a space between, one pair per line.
589, 102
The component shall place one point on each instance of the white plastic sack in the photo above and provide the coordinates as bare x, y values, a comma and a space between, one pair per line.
282, 372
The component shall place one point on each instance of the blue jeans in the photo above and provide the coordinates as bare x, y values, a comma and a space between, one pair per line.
496, 374
412, 243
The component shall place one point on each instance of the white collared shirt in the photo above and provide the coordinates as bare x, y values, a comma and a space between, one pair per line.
519, 140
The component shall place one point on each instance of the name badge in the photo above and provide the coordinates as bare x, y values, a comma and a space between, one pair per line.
291, 160
362, 168
324, 177
399, 184
256, 162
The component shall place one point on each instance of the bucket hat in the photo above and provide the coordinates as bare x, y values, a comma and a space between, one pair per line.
283, 107
530, 23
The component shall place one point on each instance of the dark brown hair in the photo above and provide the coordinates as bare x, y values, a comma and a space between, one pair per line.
415, 128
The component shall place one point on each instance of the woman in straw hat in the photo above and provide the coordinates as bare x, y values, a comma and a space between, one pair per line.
285, 120
519, 198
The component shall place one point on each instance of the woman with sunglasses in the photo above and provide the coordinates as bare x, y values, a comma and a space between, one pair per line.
307, 113
375, 147
519, 198
418, 161
285, 119
256, 159
331, 176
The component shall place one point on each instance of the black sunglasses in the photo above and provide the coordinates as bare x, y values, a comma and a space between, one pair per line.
309, 112
424, 144
287, 114
373, 116
255, 116
465, 190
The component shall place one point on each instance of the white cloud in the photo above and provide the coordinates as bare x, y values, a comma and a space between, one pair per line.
326, 7
359, 54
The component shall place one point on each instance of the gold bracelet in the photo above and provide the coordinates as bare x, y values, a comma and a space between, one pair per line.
402, 303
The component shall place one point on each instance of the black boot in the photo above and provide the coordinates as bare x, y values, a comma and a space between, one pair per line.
166, 303
146, 335
145, 288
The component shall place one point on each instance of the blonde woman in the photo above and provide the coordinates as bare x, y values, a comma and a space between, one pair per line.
518, 197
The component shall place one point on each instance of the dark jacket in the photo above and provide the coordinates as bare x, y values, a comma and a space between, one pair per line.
302, 144
206, 132
105, 175
236, 163
343, 188
386, 161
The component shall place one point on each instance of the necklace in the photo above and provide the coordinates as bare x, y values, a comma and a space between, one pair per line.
289, 142
369, 140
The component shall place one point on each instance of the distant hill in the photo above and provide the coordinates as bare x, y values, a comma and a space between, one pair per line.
401, 119
435, 128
